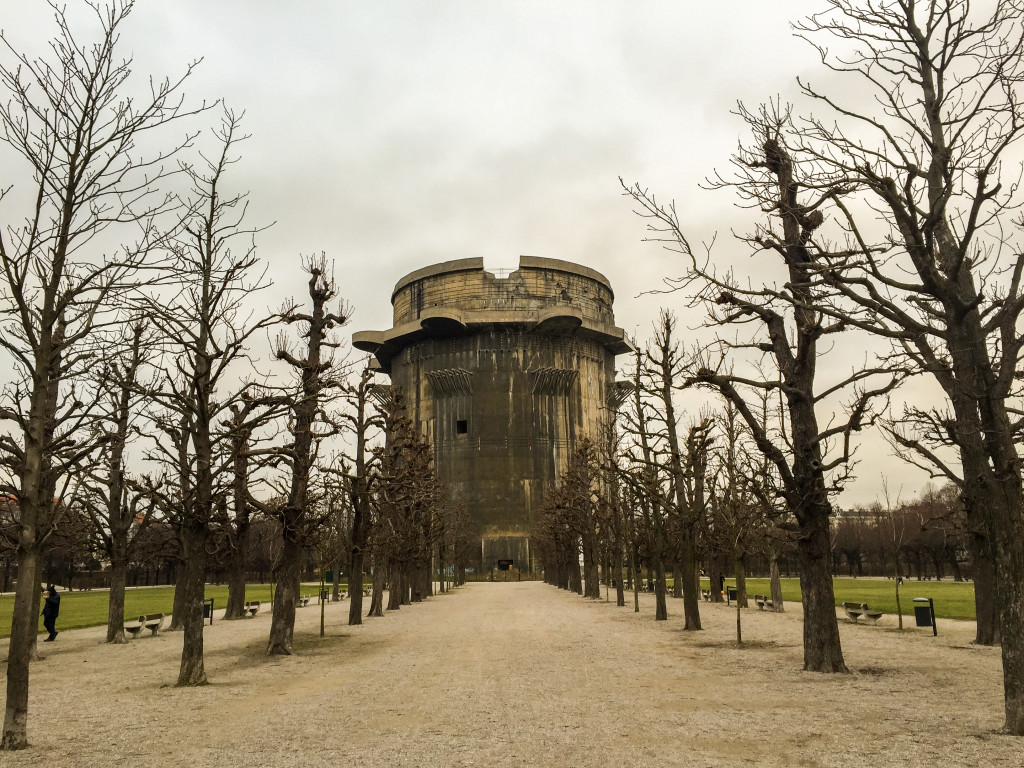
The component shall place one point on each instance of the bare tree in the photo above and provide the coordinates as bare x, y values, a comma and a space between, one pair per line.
935, 255
249, 413
309, 423
201, 314
406, 499
648, 480
75, 121
685, 464
783, 325
119, 508
362, 420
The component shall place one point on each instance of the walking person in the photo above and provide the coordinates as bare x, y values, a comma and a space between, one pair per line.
51, 609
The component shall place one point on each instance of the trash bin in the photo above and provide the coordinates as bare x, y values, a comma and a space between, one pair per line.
732, 593
924, 613
208, 609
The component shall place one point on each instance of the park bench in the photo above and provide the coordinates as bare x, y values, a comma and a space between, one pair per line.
761, 602
251, 608
856, 611
151, 621
867, 613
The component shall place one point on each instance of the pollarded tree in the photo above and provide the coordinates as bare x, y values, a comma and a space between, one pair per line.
252, 410
319, 376
580, 501
76, 122
686, 466
405, 500
782, 325
363, 421
646, 476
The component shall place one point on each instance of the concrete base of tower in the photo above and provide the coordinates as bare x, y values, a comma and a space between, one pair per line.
506, 550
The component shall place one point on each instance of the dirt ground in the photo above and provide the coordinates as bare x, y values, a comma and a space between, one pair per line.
522, 674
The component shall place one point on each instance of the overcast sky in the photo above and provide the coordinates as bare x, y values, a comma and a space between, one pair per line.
393, 135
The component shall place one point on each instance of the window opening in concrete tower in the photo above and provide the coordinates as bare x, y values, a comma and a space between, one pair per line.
461, 427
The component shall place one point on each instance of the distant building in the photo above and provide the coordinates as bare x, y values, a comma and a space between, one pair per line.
503, 375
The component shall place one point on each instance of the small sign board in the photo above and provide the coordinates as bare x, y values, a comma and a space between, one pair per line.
504, 565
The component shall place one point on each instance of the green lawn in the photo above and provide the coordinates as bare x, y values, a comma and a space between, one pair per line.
952, 600
89, 609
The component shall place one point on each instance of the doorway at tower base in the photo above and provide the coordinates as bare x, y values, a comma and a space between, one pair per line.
506, 551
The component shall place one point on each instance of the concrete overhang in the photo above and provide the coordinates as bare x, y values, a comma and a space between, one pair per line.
443, 322
447, 324
368, 341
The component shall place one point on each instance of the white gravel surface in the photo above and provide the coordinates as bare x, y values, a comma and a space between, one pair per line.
521, 674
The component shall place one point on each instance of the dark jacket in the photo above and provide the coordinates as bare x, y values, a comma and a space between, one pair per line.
51, 608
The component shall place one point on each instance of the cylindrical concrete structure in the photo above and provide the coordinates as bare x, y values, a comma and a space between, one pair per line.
503, 375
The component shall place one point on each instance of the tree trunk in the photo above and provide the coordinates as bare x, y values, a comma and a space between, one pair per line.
677, 580
115, 602
377, 596
34, 636
355, 587
237, 570
691, 586
575, 584
775, 581
634, 580
739, 621
336, 581
985, 602
282, 624
405, 580
822, 649
620, 589
716, 574
592, 585
188, 597
741, 583
178, 604
1006, 517
236, 585
394, 588
24, 627
661, 608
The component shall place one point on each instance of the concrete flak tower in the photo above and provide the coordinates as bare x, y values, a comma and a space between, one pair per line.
503, 375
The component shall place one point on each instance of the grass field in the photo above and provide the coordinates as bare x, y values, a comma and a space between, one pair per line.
952, 600
89, 609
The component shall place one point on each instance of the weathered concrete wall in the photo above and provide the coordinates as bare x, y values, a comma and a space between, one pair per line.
503, 375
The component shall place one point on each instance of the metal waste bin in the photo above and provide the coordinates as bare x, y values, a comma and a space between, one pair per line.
731, 592
924, 613
208, 609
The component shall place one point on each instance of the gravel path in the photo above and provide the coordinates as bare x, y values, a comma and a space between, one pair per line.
522, 674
